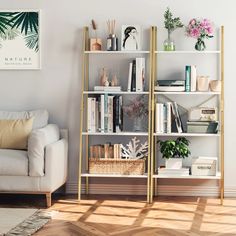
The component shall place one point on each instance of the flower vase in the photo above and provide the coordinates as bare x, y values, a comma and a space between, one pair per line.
138, 124
169, 43
200, 45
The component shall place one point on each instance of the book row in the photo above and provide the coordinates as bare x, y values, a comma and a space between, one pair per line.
105, 151
105, 114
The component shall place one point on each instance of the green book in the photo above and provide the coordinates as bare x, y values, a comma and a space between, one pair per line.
187, 78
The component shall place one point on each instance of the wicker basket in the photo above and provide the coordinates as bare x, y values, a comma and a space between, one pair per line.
109, 166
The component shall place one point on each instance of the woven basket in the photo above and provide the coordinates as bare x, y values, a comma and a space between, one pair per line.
123, 167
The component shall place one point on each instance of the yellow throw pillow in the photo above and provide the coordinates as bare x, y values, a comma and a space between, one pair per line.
14, 133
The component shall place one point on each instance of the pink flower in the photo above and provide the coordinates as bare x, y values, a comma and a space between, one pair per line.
195, 33
192, 22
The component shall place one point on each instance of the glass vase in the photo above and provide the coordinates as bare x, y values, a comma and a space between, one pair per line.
138, 124
169, 43
200, 45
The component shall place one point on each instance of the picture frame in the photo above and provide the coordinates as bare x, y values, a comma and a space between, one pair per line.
131, 37
20, 37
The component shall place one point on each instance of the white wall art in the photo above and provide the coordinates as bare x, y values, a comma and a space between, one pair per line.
131, 37
19, 40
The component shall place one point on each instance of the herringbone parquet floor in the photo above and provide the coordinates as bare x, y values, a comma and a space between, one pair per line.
103, 215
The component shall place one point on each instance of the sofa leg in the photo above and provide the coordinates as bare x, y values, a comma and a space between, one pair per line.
49, 199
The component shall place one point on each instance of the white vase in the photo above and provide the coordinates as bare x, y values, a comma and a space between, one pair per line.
174, 163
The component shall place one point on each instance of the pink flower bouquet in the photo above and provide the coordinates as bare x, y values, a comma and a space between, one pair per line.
200, 29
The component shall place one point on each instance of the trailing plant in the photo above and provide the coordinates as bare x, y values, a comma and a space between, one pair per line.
171, 23
175, 148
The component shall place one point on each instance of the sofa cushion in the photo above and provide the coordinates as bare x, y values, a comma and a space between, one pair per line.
38, 140
14, 133
40, 117
13, 162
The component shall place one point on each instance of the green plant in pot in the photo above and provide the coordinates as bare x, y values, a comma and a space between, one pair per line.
174, 151
171, 24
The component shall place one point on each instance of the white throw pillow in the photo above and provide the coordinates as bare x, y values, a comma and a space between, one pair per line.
38, 140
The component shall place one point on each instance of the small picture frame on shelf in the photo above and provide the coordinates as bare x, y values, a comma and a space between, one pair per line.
131, 37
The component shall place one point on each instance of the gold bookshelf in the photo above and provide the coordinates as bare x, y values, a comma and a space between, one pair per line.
150, 176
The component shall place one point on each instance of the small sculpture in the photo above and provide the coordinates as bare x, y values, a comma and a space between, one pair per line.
104, 78
114, 81
134, 149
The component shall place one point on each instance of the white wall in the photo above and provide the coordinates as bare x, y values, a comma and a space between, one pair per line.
57, 86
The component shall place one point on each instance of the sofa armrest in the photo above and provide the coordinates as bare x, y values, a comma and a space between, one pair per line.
38, 140
56, 165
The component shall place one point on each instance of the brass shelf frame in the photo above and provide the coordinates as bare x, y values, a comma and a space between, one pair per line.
153, 187
84, 147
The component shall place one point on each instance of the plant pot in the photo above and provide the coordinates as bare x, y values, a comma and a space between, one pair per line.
169, 43
174, 163
203, 83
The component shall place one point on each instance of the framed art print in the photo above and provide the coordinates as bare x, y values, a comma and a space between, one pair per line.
131, 37
20, 40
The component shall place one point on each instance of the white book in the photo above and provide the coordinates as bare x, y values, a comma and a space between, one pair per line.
193, 78
168, 117
89, 114
110, 114
93, 115
108, 88
170, 88
140, 73
102, 114
130, 77
159, 122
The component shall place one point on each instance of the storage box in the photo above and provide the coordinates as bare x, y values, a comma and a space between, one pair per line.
122, 166
202, 127
204, 166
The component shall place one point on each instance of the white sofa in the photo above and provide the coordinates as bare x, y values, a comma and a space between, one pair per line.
42, 168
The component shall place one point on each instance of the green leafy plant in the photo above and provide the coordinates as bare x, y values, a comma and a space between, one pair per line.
4, 21
171, 23
174, 148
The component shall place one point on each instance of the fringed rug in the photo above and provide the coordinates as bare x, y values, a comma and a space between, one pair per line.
21, 221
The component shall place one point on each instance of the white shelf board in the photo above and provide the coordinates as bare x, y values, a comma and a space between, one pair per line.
116, 52
118, 92
187, 93
156, 176
188, 52
116, 134
186, 135
113, 175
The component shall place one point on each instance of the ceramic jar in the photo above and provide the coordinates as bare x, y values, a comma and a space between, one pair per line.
215, 85
203, 83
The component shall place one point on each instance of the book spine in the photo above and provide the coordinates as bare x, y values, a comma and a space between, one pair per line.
89, 113
117, 117
140, 70
179, 121
105, 113
102, 115
93, 115
120, 113
187, 78
161, 108
164, 118
97, 128
193, 78
110, 114
133, 81
91, 152
168, 111
130, 77
106, 150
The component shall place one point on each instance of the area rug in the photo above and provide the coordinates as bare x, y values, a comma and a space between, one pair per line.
22, 221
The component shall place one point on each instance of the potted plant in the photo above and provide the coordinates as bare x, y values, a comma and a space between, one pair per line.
174, 151
171, 24
200, 30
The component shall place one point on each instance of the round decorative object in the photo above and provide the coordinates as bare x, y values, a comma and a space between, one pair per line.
215, 85
203, 83
200, 45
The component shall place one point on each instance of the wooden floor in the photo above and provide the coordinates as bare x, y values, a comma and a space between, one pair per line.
123, 216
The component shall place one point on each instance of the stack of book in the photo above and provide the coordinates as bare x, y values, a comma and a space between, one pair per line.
106, 151
162, 171
190, 78
136, 78
105, 114
107, 88
170, 86
168, 119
